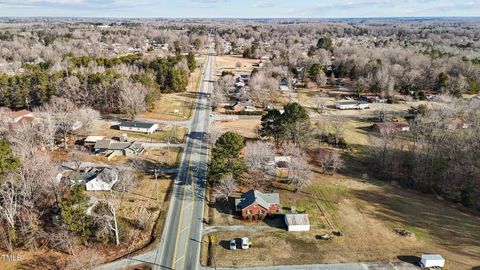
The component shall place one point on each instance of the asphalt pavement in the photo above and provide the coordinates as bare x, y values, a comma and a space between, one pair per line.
179, 247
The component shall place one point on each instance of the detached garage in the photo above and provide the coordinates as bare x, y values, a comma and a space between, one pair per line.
297, 222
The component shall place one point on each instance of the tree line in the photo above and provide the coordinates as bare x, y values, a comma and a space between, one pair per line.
96, 82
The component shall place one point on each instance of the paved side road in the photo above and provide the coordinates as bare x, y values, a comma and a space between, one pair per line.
336, 266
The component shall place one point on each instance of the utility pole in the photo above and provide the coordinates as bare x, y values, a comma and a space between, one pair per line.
338, 193
155, 173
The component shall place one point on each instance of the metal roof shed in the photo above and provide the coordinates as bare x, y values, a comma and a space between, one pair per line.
297, 222
432, 260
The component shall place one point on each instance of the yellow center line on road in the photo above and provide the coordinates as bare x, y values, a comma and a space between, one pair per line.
180, 217
193, 184
179, 259
174, 262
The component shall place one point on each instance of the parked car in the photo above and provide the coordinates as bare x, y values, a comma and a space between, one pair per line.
245, 243
233, 244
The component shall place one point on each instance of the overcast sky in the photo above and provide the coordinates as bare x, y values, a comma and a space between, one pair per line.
239, 8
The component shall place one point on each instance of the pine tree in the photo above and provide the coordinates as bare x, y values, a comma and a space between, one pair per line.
74, 212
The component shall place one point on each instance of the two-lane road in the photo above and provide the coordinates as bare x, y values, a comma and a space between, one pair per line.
179, 246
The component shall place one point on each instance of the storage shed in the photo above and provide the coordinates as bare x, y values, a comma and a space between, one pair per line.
432, 260
297, 222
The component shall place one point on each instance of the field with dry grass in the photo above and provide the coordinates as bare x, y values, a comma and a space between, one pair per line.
178, 106
229, 63
245, 127
367, 214
365, 210
168, 133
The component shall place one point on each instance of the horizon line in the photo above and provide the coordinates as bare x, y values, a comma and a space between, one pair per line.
242, 18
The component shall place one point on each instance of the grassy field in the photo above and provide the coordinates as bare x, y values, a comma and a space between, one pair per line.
229, 63
245, 127
178, 106
366, 212
167, 134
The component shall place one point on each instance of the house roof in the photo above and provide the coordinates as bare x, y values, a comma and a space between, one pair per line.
297, 219
20, 113
432, 257
102, 144
284, 88
350, 103
392, 124
282, 159
254, 196
104, 174
94, 138
244, 104
114, 145
119, 145
137, 124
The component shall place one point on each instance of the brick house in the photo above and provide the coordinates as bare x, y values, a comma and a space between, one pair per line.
257, 205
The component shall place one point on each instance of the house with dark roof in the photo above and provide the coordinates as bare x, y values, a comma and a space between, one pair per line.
257, 205
94, 178
111, 148
137, 126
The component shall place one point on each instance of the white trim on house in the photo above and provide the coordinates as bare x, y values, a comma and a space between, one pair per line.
148, 130
352, 105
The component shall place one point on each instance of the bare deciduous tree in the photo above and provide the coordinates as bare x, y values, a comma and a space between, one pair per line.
133, 98
127, 179
226, 186
65, 116
258, 156
87, 116
330, 162
299, 173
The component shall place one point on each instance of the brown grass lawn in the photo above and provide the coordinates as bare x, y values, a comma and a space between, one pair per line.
172, 107
228, 63
178, 106
366, 213
167, 134
245, 127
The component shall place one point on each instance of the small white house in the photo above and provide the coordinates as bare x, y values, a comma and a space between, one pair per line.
94, 177
297, 222
352, 105
104, 180
137, 126
432, 260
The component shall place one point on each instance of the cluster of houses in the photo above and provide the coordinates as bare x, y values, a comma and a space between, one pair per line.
119, 145
16, 119
242, 101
